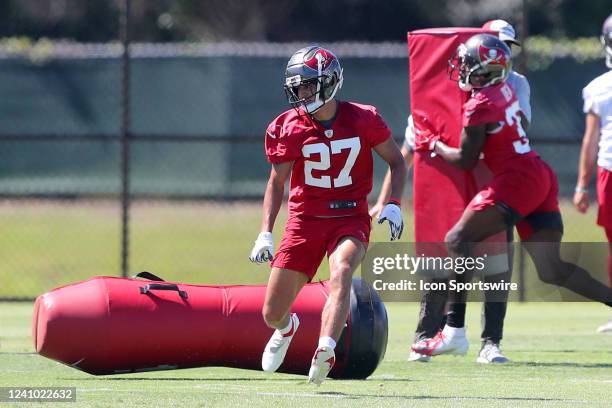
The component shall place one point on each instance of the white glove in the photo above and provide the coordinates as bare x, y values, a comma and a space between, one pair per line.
393, 214
263, 250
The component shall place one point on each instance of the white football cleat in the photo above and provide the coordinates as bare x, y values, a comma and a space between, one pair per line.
491, 353
414, 356
605, 328
322, 363
277, 346
442, 344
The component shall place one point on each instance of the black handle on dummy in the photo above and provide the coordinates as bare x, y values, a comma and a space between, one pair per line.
162, 286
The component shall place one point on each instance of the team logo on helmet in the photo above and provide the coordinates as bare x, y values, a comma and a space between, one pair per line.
481, 61
322, 57
492, 55
317, 72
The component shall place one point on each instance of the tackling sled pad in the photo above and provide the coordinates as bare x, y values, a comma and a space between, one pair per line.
110, 325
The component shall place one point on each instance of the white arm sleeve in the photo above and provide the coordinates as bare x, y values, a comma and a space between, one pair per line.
590, 103
409, 135
523, 93
521, 88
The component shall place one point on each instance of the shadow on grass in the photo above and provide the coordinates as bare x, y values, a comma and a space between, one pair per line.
296, 379
203, 379
561, 364
337, 394
564, 351
437, 397
343, 395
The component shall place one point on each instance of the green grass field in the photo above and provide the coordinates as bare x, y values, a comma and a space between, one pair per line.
558, 359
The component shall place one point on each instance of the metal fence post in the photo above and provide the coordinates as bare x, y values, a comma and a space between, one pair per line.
124, 25
523, 60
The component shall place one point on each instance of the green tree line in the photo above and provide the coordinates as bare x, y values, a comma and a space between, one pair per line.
291, 20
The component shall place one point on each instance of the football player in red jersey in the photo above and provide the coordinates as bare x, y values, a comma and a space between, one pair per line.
523, 192
325, 146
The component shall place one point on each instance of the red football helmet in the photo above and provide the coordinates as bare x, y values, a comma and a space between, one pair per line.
316, 68
481, 61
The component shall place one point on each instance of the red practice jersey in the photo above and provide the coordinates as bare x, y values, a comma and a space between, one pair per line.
333, 169
508, 144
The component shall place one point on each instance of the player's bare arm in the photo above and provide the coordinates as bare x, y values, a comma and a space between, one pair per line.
390, 153
385, 190
588, 157
391, 212
467, 155
273, 197
263, 249
407, 155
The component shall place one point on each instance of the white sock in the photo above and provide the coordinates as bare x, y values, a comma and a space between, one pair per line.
288, 328
326, 341
453, 331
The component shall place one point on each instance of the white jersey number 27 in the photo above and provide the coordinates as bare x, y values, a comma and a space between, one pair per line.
344, 177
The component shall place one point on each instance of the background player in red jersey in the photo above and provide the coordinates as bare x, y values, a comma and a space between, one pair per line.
325, 145
523, 191
432, 313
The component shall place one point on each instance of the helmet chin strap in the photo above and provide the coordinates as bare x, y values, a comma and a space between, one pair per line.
465, 86
312, 107
317, 104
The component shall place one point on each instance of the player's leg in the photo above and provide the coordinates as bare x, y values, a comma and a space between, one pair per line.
474, 226
609, 236
541, 232
299, 254
604, 219
604, 210
432, 314
543, 247
494, 311
343, 261
283, 286
607, 327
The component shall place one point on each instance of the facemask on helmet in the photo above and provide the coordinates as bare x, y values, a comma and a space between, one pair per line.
484, 60
606, 40
312, 78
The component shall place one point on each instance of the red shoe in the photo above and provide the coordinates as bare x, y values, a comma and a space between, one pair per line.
442, 344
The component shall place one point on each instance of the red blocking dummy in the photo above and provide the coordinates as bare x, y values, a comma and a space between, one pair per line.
440, 191
109, 325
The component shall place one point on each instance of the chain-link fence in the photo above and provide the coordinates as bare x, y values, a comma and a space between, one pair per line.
195, 168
